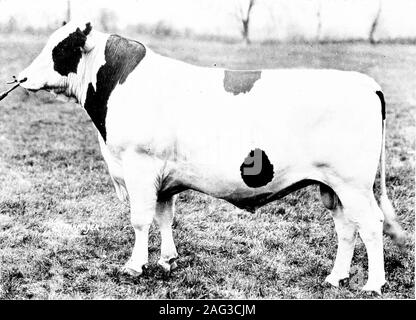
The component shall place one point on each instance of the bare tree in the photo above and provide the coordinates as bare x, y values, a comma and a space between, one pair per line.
319, 19
375, 24
244, 18
68, 10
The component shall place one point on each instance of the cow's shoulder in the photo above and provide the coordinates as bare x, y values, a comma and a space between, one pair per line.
121, 57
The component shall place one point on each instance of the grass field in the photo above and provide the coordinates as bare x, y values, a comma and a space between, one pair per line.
64, 234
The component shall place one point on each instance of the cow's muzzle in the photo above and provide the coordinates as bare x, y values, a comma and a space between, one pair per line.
17, 84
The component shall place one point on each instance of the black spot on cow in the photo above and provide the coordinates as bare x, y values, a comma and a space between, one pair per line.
383, 104
237, 82
256, 170
121, 57
68, 52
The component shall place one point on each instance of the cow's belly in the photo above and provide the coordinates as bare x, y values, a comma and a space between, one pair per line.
230, 186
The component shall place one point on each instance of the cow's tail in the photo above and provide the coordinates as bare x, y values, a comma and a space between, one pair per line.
391, 226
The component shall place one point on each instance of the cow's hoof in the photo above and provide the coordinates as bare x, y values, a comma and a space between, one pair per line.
343, 283
164, 265
131, 272
371, 290
173, 266
169, 265
371, 294
331, 281
335, 283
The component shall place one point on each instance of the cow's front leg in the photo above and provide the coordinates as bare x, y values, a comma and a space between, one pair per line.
140, 173
164, 218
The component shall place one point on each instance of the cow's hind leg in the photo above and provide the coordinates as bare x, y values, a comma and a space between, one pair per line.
346, 235
361, 208
140, 174
164, 218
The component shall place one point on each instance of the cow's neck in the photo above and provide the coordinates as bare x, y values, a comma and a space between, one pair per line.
88, 67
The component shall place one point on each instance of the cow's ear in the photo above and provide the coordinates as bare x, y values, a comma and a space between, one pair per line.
88, 28
89, 43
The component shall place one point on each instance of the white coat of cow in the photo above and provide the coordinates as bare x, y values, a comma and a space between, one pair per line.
166, 126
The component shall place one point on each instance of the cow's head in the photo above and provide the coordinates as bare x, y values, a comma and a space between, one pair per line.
59, 58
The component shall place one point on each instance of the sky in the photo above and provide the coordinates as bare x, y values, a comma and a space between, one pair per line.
271, 19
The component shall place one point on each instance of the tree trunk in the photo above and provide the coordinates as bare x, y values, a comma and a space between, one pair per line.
245, 22
245, 31
68, 10
375, 24
319, 26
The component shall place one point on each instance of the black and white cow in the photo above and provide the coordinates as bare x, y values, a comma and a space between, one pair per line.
249, 137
